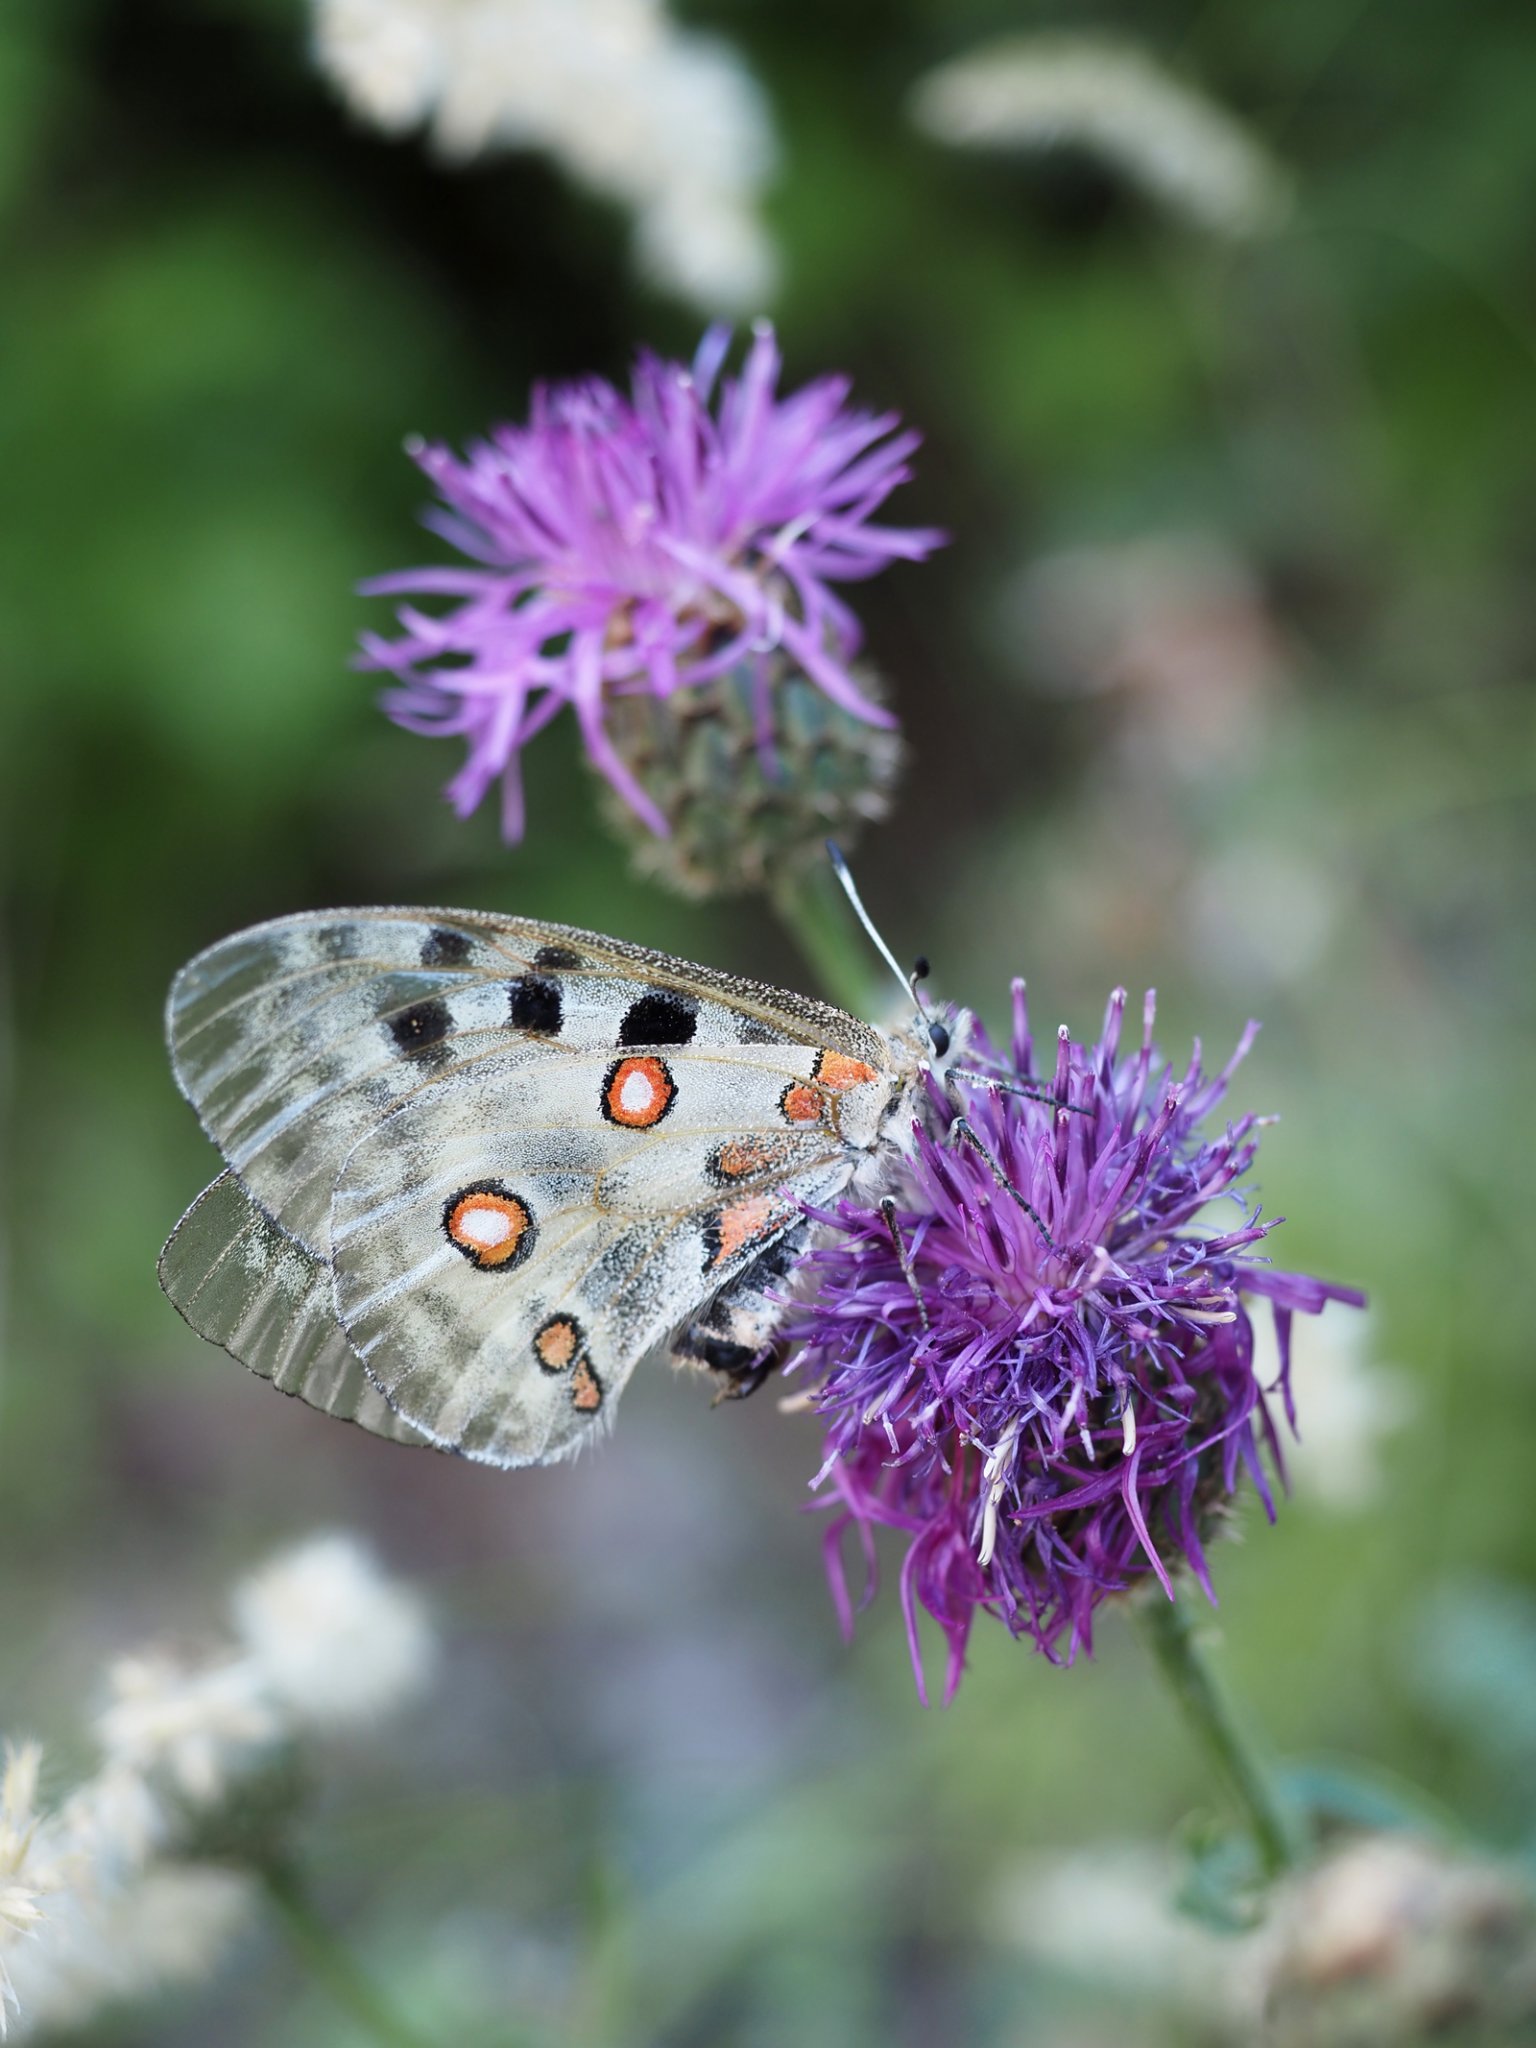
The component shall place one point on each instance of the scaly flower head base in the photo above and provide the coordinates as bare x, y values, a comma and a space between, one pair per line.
1052, 1414
646, 543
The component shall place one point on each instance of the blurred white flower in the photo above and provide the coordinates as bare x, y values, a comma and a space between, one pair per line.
1115, 101
1394, 1939
106, 1898
25, 1874
192, 1730
104, 1945
1347, 1405
112, 1824
386, 57
667, 121
1378, 1945
330, 1639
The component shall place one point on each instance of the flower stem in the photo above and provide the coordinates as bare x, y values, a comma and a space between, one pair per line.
1209, 1717
815, 913
330, 1961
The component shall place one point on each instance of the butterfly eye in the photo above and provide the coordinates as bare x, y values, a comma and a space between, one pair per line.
938, 1035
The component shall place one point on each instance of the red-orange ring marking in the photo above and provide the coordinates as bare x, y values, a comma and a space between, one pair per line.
625, 1079
497, 1207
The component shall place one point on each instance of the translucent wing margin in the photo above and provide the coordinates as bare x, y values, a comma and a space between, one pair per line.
245, 1284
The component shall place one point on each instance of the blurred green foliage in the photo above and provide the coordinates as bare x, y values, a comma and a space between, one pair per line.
658, 1800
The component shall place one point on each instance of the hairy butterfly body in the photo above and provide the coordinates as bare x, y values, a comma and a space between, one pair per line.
477, 1166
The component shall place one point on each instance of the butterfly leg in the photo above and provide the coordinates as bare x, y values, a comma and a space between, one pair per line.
737, 1381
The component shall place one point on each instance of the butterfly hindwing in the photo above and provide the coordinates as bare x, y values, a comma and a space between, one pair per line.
292, 1040
507, 1247
241, 1282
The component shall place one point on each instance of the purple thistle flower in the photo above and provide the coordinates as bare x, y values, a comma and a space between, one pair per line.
1049, 1422
642, 544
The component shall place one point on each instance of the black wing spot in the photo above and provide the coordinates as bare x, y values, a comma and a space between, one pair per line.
556, 956
659, 1018
422, 1028
444, 948
753, 1033
535, 1005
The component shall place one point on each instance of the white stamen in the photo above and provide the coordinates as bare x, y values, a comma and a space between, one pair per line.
1128, 1422
1087, 1436
1102, 1262
995, 1476
1205, 1315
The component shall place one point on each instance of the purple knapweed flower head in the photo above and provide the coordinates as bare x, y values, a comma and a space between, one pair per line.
643, 544
1051, 1407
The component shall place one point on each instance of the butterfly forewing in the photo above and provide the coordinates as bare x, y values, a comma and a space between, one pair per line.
295, 1038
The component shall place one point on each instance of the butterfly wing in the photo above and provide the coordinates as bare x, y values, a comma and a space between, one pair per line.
607, 1136
505, 1252
293, 1039
242, 1282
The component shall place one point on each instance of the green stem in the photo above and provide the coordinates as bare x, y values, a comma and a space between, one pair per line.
330, 1962
815, 913
1209, 1717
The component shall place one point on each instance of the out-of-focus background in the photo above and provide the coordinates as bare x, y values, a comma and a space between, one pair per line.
1221, 330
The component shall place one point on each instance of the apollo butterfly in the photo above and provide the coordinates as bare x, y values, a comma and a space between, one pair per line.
478, 1166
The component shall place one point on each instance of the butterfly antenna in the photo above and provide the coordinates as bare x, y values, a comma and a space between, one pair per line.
932, 1029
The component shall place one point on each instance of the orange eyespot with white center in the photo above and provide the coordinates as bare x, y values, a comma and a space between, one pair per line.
638, 1092
839, 1070
491, 1226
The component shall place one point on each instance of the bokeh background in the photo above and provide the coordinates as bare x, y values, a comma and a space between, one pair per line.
1223, 685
